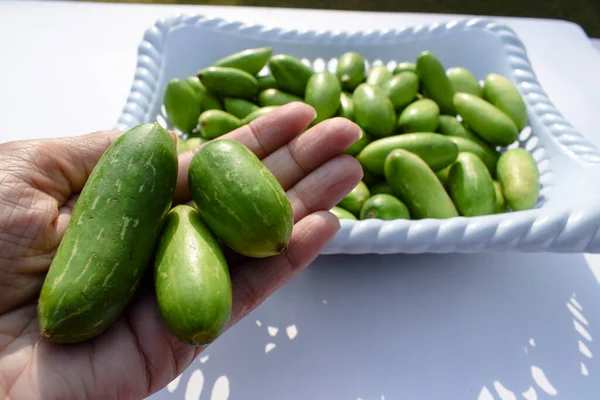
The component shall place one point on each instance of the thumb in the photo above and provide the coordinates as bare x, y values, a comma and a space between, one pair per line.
71, 160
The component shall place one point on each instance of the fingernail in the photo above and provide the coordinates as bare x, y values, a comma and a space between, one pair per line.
174, 136
358, 132
314, 112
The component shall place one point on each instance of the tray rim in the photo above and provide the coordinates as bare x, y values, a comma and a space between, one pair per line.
574, 144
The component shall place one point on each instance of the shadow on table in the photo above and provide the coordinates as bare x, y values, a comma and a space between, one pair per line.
414, 327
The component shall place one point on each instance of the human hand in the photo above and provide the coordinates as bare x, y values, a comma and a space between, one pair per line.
137, 355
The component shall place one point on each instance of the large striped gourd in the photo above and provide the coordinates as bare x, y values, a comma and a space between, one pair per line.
111, 236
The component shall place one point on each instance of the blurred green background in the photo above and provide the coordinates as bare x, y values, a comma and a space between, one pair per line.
583, 12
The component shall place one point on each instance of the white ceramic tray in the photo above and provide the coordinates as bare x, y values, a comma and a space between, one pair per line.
567, 215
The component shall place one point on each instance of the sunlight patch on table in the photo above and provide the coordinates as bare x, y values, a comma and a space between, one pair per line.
582, 331
172, 386
195, 385
584, 370
503, 392
530, 394
542, 381
485, 394
269, 347
291, 331
583, 349
220, 389
577, 314
594, 265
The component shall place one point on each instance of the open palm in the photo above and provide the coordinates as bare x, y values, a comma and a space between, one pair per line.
137, 355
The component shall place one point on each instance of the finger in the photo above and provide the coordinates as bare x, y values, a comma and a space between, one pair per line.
61, 166
306, 152
325, 187
254, 281
61, 222
266, 134
262, 136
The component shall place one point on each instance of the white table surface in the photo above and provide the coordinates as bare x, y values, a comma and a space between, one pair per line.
370, 327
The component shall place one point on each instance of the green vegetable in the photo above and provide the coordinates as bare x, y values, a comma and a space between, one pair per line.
360, 144
471, 187
193, 287
111, 236
381, 187
229, 82
208, 100
354, 200
385, 207
442, 174
181, 146
346, 109
436, 150
239, 108
370, 178
520, 179
266, 82
194, 142
184, 145
341, 213
402, 89
215, 123
488, 155
258, 113
463, 81
290, 73
500, 205
378, 76
182, 105
373, 111
435, 82
276, 97
449, 125
405, 66
350, 70
487, 121
420, 116
501, 92
323, 92
240, 200
249, 60
417, 186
